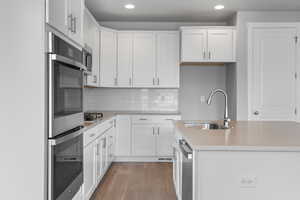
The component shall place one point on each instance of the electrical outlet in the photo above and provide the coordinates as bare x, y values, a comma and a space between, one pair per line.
248, 182
202, 99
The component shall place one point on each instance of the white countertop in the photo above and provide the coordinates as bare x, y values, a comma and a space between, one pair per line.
244, 136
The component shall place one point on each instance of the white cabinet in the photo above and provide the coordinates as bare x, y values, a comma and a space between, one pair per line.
92, 40
123, 136
144, 59
177, 171
108, 58
167, 59
143, 140
99, 143
67, 17
221, 45
153, 135
193, 45
164, 140
89, 167
208, 44
125, 59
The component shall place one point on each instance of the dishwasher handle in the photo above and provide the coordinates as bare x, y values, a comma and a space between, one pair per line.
186, 150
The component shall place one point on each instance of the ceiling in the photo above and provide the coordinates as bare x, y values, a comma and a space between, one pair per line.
182, 10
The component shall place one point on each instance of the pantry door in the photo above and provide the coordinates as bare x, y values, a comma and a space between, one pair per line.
272, 72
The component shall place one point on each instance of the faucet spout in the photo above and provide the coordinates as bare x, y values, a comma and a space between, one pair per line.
209, 100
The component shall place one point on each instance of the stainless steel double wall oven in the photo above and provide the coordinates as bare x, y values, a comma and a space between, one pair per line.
65, 118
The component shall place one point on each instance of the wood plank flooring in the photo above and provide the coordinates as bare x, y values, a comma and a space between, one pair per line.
137, 181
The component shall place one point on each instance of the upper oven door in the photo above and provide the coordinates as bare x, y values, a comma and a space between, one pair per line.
65, 94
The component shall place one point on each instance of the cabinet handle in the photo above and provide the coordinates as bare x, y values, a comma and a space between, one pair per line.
204, 55
116, 81
143, 119
75, 24
209, 55
158, 131
153, 81
256, 112
130, 81
70, 24
157, 81
92, 135
153, 133
95, 79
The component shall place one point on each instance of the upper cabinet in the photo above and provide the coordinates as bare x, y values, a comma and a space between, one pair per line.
208, 44
67, 17
92, 42
167, 59
108, 58
145, 59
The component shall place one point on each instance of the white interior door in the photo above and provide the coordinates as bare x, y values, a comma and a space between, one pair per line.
221, 45
272, 67
144, 59
194, 45
167, 55
125, 59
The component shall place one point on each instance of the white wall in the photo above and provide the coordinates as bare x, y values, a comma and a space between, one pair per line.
197, 81
22, 101
242, 19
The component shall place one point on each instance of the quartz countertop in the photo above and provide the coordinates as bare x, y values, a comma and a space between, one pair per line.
244, 136
107, 115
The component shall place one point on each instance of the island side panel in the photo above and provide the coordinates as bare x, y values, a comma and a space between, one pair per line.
233, 175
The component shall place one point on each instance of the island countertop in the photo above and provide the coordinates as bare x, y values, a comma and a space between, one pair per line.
244, 136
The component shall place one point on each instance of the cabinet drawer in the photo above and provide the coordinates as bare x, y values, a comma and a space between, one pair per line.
142, 119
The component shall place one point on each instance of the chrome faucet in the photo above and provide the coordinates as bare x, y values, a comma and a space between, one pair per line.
226, 118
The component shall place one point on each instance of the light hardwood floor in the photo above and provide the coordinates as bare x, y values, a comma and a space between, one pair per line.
137, 181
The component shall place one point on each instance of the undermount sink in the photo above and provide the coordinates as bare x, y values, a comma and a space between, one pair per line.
203, 125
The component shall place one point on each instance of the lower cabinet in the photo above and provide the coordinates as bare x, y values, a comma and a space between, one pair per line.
98, 155
164, 140
143, 140
89, 169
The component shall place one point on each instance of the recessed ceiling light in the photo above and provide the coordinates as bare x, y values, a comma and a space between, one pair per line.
129, 6
219, 7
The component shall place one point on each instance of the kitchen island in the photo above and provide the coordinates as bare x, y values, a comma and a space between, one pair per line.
249, 161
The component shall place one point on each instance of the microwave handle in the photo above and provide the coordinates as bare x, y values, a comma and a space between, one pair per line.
65, 60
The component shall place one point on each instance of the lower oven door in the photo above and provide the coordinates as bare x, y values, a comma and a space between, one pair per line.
65, 166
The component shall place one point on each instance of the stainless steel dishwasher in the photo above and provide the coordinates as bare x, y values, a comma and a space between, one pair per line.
187, 171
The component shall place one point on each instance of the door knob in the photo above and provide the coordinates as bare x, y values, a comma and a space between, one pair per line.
256, 113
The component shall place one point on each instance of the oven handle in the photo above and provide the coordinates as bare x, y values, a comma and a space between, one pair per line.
56, 57
54, 142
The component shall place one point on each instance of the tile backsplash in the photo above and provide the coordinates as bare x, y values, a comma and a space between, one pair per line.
106, 99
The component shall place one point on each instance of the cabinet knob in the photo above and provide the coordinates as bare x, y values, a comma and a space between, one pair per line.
256, 112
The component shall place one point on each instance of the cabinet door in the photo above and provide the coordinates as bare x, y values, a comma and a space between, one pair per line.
143, 140
76, 9
125, 59
98, 158
92, 39
221, 45
57, 15
103, 154
110, 145
194, 45
272, 65
89, 165
164, 141
167, 55
144, 59
123, 137
108, 58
